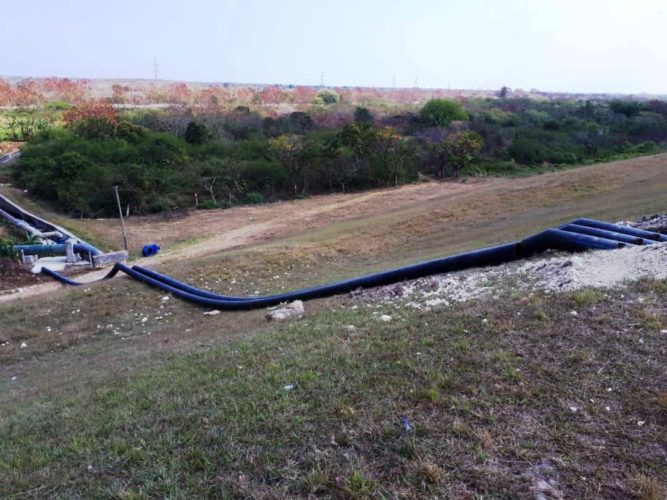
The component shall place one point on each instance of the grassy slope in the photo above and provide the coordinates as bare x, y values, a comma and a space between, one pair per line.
67, 368
440, 218
490, 405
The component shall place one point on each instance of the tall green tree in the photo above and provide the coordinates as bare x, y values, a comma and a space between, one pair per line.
442, 112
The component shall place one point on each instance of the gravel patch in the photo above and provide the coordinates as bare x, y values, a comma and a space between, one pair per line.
656, 222
554, 272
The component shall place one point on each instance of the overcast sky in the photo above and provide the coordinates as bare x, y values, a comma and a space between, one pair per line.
569, 45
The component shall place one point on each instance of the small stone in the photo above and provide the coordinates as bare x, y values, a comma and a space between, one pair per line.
350, 328
289, 387
386, 318
574, 409
214, 312
144, 319
293, 309
23, 345
641, 422
574, 313
165, 298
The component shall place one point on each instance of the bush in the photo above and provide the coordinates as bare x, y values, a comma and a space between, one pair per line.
627, 108
254, 198
362, 115
207, 204
328, 97
441, 112
196, 133
241, 156
7, 250
264, 176
58, 106
95, 128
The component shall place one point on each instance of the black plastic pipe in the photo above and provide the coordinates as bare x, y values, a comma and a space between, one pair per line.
649, 235
570, 237
603, 233
67, 281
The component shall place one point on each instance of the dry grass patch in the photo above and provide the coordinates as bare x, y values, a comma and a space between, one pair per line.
567, 405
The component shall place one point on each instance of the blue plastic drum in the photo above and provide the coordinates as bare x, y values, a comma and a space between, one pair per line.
150, 250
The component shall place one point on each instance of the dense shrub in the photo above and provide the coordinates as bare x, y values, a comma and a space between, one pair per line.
196, 133
441, 112
254, 198
166, 160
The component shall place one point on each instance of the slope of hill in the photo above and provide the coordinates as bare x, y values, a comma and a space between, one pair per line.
113, 389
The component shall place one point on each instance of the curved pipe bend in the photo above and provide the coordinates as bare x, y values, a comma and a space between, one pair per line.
569, 237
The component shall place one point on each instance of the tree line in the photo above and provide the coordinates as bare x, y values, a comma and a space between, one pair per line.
175, 158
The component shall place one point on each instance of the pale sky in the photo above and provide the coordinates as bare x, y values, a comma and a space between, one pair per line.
567, 45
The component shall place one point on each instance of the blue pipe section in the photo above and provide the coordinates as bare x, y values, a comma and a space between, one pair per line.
602, 233
569, 237
82, 248
641, 233
32, 224
67, 281
549, 239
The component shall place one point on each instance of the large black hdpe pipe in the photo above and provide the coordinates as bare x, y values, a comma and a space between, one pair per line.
641, 233
570, 237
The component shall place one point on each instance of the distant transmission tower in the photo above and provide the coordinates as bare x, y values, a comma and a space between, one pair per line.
155, 74
416, 83
322, 79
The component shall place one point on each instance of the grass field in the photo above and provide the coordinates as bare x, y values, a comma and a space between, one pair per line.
96, 401
436, 404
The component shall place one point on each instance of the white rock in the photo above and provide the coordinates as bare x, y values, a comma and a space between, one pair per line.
165, 298
23, 345
214, 312
144, 319
291, 310
386, 318
574, 409
574, 313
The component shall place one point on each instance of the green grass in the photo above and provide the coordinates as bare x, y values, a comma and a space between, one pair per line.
485, 404
504, 168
